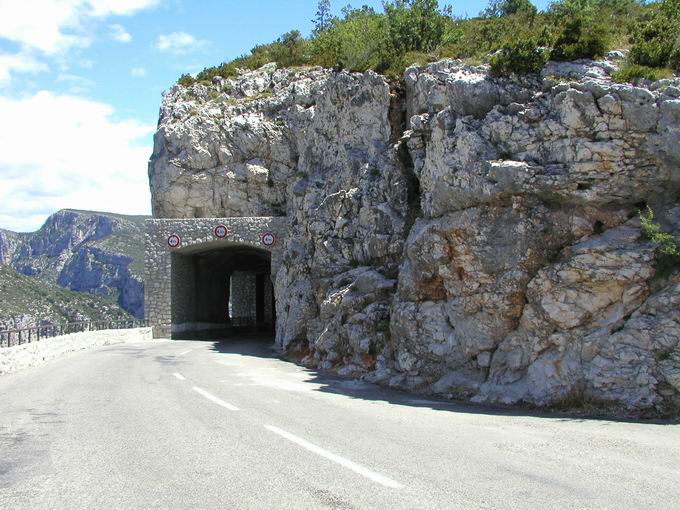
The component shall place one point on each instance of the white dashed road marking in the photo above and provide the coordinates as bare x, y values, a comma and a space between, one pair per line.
214, 399
372, 475
179, 376
185, 352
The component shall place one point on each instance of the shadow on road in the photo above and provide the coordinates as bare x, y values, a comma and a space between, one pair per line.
258, 346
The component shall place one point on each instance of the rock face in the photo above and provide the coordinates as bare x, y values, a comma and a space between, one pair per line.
83, 251
455, 233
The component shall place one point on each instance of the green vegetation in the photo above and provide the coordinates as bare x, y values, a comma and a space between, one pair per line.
631, 72
510, 34
668, 249
522, 56
22, 295
667, 243
581, 37
656, 39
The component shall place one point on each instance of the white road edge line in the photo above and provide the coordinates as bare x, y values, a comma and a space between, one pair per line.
214, 399
372, 475
179, 376
185, 352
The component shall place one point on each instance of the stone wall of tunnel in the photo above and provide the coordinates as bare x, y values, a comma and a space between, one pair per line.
191, 273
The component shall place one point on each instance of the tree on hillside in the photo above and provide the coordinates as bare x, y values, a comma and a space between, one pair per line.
289, 49
323, 19
498, 8
415, 25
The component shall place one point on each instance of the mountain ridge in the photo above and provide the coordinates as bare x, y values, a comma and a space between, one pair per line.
91, 252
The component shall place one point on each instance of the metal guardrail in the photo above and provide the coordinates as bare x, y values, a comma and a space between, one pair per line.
12, 337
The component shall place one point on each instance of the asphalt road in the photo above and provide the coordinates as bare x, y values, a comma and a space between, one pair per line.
206, 425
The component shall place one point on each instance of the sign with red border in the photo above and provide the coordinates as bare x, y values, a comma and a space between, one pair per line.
221, 231
268, 239
174, 241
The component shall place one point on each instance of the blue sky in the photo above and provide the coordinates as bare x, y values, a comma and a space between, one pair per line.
81, 84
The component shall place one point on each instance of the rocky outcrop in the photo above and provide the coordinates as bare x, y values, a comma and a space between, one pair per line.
83, 251
98, 272
460, 234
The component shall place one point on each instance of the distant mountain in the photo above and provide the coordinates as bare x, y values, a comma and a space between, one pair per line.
101, 254
28, 301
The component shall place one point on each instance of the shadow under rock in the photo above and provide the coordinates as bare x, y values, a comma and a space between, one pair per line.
259, 346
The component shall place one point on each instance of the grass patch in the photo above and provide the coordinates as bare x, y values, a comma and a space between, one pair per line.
630, 73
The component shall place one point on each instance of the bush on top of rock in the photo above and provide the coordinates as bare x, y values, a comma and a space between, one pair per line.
418, 31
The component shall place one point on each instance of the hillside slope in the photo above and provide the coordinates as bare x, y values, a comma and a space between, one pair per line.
27, 301
97, 253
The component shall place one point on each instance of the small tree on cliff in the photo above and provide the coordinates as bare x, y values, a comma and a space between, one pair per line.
415, 25
323, 19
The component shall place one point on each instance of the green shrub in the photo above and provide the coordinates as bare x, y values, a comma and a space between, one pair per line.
630, 72
414, 25
653, 43
674, 59
289, 50
521, 57
668, 249
419, 31
353, 43
656, 40
580, 38
666, 242
498, 8
186, 80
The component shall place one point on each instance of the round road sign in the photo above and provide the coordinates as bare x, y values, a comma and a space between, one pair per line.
268, 239
221, 231
174, 241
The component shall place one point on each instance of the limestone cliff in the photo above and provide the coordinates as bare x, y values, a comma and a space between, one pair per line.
453, 233
97, 253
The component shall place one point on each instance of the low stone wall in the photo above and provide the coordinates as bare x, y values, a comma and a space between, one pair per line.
19, 357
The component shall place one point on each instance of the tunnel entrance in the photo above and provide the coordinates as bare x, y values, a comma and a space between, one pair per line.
221, 292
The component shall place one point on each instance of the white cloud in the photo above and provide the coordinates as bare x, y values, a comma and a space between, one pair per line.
77, 84
75, 156
54, 26
119, 7
41, 24
138, 71
118, 33
18, 63
73, 78
179, 43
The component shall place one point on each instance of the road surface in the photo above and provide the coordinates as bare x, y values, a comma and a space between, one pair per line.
227, 425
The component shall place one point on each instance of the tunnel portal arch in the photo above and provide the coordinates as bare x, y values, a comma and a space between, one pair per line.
204, 277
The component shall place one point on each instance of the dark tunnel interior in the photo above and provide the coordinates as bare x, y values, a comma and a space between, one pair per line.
220, 291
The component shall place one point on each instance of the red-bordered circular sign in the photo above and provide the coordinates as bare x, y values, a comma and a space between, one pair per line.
221, 231
174, 241
268, 239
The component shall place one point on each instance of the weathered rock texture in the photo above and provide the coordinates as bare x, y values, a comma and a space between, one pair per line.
456, 234
97, 253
